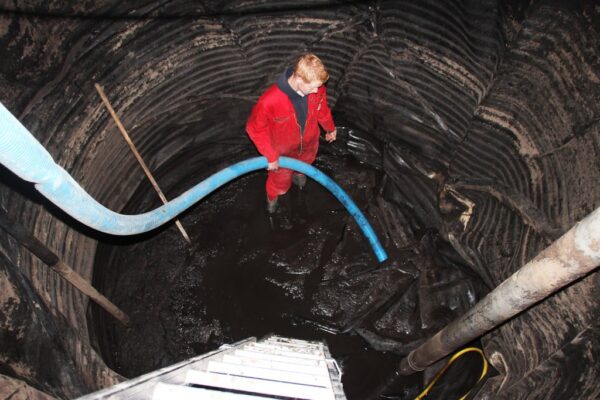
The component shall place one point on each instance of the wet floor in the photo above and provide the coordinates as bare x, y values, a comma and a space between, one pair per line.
305, 272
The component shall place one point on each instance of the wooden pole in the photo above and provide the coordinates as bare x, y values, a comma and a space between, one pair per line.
49, 258
138, 157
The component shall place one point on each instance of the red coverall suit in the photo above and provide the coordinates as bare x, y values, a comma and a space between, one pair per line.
273, 128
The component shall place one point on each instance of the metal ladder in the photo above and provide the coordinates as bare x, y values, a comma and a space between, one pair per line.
275, 367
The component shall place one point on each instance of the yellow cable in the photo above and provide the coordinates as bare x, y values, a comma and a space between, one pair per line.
452, 359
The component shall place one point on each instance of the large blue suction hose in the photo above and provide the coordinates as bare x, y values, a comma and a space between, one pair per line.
27, 158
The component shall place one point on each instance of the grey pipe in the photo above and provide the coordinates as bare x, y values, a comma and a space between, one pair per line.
572, 256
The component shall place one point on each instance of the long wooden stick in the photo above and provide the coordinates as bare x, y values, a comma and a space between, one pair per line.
137, 156
49, 258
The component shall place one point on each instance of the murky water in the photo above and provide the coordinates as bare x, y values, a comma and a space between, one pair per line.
305, 272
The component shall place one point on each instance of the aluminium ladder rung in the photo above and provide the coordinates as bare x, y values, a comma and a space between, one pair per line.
283, 352
259, 386
290, 348
269, 374
278, 357
292, 343
290, 340
317, 368
165, 391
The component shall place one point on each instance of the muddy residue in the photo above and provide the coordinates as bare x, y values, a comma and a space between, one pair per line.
305, 272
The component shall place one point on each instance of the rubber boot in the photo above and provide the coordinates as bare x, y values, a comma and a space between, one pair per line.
299, 180
272, 205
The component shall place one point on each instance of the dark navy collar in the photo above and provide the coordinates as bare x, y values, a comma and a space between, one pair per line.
282, 83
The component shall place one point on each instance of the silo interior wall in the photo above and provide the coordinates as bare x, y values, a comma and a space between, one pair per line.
483, 117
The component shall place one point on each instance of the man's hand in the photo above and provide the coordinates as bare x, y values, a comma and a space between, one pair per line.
330, 136
273, 166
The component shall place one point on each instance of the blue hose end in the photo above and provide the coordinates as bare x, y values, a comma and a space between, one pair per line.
381, 255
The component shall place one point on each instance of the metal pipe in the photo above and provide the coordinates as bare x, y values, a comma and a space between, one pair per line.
572, 256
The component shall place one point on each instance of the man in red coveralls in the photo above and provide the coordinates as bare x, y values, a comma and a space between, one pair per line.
285, 122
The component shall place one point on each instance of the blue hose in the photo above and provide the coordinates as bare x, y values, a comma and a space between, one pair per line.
26, 157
